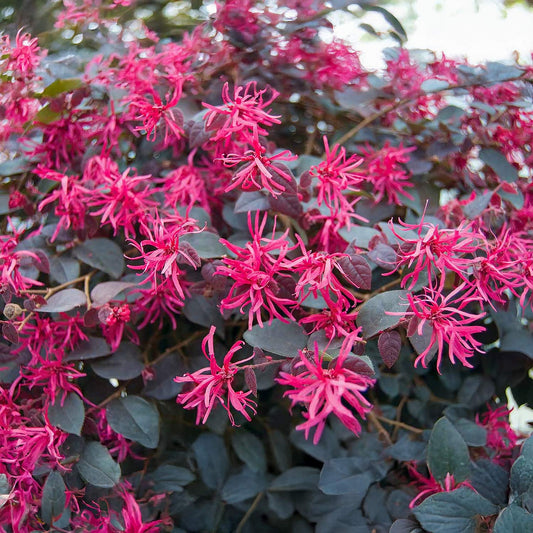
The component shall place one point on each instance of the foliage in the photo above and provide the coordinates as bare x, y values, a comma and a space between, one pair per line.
331, 267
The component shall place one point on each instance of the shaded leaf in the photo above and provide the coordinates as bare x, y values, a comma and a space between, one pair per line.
447, 452
53, 498
70, 416
10, 332
345, 475
125, 363
102, 254
62, 86
454, 511
134, 418
212, 459
513, 519
243, 486
64, 268
296, 478
250, 450
92, 348
97, 467
251, 201
170, 478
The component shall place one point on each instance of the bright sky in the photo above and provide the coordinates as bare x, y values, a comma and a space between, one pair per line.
478, 29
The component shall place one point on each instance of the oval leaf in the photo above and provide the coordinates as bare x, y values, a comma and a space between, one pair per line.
373, 317
134, 418
103, 254
357, 271
280, 338
447, 452
498, 162
63, 301
206, 244
296, 478
125, 363
389, 345
97, 467
53, 498
70, 416
103, 292
92, 348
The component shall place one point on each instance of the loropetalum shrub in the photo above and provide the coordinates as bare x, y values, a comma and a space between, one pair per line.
331, 267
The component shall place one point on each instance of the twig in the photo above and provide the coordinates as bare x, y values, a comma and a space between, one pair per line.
251, 509
399, 424
374, 420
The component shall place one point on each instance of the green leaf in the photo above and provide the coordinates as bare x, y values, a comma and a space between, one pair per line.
513, 519
70, 416
134, 418
46, 115
53, 497
125, 363
103, 254
296, 478
206, 244
498, 162
250, 450
278, 337
243, 486
58, 87
170, 478
447, 452
372, 316
454, 511
97, 467
345, 475
212, 459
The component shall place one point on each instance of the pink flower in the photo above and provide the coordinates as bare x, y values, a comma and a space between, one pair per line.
162, 253
500, 436
324, 391
152, 113
243, 113
385, 174
335, 176
214, 384
259, 171
114, 319
429, 485
435, 250
449, 324
257, 272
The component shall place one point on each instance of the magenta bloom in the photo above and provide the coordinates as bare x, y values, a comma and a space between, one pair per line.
242, 113
324, 391
450, 324
335, 175
257, 271
214, 384
259, 171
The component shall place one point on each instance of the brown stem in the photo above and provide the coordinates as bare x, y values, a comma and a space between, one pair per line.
399, 424
374, 420
251, 509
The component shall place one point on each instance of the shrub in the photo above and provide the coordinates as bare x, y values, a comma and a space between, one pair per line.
332, 268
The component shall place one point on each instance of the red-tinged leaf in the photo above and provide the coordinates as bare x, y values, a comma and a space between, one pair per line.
357, 271
9, 331
358, 365
103, 292
383, 255
287, 202
413, 326
41, 262
90, 318
63, 301
389, 345
250, 380
29, 305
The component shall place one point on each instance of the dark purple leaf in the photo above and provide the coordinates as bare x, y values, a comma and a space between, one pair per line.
287, 202
358, 365
90, 318
103, 292
384, 256
373, 315
125, 363
357, 271
197, 134
250, 380
63, 301
41, 262
389, 345
10, 333
92, 348
64, 268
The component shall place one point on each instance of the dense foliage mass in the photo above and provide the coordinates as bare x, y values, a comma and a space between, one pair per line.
249, 285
